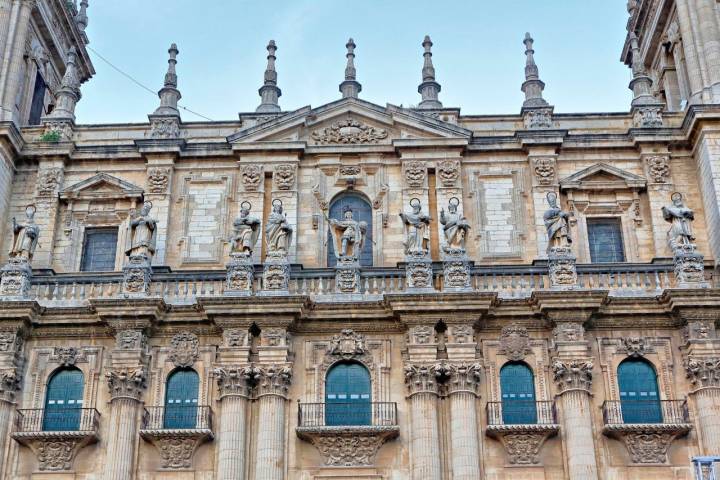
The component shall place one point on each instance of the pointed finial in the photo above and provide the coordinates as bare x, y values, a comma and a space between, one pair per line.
81, 19
646, 108
68, 94
269, 92
532, 87
429, 88
350, 88
169, 94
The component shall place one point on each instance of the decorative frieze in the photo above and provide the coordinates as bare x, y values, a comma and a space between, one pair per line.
634, 346
126, 382
703, 372
648, 117
349, 131
183, 349
158, 180
162, 128
66, 356
658, 168
572, 374
537, 118
514, 342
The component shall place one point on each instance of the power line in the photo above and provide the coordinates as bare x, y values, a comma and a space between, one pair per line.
136, 82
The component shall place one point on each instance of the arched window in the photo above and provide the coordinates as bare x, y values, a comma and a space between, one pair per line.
362, 212
347, 395
63, 400
517, 388
181, 399
639, 399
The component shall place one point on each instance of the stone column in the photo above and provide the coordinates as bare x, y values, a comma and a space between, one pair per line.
11, 342
704, 374
464, 445
692, 60
273, 382
574, 380
422, 384
233, 394
5, 10
126, 379
12, 64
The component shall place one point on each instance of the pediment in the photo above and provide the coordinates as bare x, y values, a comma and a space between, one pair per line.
102, 185
349, 122
602, 177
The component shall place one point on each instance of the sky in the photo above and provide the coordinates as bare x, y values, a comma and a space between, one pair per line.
478, 53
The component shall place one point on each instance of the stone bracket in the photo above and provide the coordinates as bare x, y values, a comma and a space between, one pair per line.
55, 451
523, 442
348, 446
646, 442
177, 447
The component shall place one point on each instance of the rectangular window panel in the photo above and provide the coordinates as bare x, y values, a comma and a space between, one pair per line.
99, 250
38, 101
605, 239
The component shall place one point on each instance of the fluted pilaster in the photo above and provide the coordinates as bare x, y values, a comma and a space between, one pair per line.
10, 80
704, 375
422, 384
273, 383
233, 390
465, 446
6, 411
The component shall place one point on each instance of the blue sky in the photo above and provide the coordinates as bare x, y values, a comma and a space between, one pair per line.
478, 53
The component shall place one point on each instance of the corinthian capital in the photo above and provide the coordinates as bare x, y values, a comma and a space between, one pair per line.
272, 379
9, 384
463, 377
126, 382
573, 374
425, 378
233, 380
703, 372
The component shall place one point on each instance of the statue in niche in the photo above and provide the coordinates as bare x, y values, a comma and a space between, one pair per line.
348, 236
25, 236
142, 233
556, 223
245, 232
455, 228
680, 235
278, 232
417, 230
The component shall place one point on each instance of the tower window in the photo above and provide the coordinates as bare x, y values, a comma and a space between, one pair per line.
99, 250
605, 239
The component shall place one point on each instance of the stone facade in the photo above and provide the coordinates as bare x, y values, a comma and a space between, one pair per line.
260, 317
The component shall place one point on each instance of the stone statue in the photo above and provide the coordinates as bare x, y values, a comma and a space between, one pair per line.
278, 232
680, 218
245, 232
25, 236
417, 230
455, 227
348, 235
556, 222
142, 233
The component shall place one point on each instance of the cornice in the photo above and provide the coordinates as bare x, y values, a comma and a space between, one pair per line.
11, 136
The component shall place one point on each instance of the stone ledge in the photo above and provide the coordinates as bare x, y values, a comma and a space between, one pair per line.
177, 446
56, 450
647, 443
348, 445
523, 442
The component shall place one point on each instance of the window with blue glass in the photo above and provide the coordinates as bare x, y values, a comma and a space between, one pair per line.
639, 398
64, 400
99, 250
605, 240
181, 399
517, 390
347, 395
362, 212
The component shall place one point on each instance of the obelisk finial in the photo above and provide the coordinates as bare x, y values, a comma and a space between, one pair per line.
69, 92
350, 88
532, 87
429, 88
169, 94
269, 92
81, 19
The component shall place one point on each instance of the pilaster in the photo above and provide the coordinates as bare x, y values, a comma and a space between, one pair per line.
10, 78
50, 180
272, 385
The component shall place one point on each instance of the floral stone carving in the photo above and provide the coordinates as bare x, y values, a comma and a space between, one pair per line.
251, 176
284, 176
48, 182
522, 442
703, 372
647, 443
348, 446
55, 451
126, 382
448, 172
658, 168
572, 374
415, 173
514, 342
176, 447
349, 131
158, 179
183, 349
544, 170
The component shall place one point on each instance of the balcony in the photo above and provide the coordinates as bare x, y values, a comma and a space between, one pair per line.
647, 427
522, 427
55, 436
348, 434
177, 431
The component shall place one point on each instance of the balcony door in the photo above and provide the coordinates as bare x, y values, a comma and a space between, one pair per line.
347, 395
64, 400
639, 398
181, 399
517, 387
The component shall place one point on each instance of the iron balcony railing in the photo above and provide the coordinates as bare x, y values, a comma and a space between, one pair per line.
521, 412
707, 468
177, 417
38, 420
375, 414
630, 412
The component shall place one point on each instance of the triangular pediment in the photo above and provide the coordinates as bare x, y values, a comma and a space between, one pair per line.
349, 122
102, 185
602, 176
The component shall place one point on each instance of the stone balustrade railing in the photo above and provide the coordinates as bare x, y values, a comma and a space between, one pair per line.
510, 281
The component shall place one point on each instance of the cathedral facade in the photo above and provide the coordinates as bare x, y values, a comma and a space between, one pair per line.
357, 291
